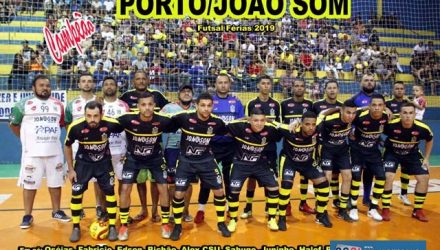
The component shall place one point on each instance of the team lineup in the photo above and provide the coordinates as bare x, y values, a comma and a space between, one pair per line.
141, 136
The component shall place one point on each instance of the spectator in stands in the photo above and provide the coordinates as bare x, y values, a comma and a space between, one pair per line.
26, 51
240, 75
416, 64
435, 78
307, 64
83, 65
424, 76
64, 72
109, 5
16, 80
374, 38
419, 49
99, 75
197, 77
286, 83
121, 77
247, 47
155, 72
140, 62
106, 62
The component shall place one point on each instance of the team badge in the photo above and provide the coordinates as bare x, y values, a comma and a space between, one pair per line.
263, 140
314, 140
381, 128
413, 139
232, 108
210, 130
272, 112
104, 137
304, 110
155, 130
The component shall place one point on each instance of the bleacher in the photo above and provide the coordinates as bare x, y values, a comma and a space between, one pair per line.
26, 27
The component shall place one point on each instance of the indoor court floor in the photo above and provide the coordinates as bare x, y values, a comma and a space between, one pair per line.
302, 229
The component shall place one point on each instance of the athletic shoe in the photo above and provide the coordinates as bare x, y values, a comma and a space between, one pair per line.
336, 203
272, 224
223, 229
420, 215
282, 223
123, 233
322, 218
246, 214
200, 217
373, 213
61, 216
177, 232
165, 231
386, 214
232, 226
405, 200
112, 234
187, 218
342, 213
354, 215
306, 209
27, 221
76, 234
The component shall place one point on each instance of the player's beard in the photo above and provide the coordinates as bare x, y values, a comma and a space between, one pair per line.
44, 95
93, 124
368, 90
185, 103
110, 93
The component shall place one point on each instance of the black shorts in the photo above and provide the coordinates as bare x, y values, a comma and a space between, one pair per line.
102, 171
306, 169
411, 164
224, 153
335, 158
240, 172
371, 160
207, 170
132, 168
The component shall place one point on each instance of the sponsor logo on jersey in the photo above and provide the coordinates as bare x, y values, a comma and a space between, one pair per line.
133, 97
290, 105
271, 104
103, 129
85, 131
45, 130
366, 122
305, 105
288, 172
248, 130
155, 123
235, 183
135, 122
193, 121
326, 163
397, 131
415, 132
257, 105
212, 123
264, 133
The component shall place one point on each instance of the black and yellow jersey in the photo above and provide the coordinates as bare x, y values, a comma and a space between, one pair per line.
367, 130
395, 105
271, 108
93, 142
197, 134
296, 146
333, 131
291, 110
405, 141
322, 105
131, 98
249, 144
144, 138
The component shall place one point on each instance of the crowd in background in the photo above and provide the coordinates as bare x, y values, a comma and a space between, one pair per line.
174, 52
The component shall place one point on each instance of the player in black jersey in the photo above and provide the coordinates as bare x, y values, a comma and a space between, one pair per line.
394, 105
141, 83
334, 130
402, 147
144, 130
299, 153
93, 159
365, 154
196, 158
272, 109
292, 109
330, 101
252, 137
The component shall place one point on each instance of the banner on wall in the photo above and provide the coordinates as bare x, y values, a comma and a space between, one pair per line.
9, 98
